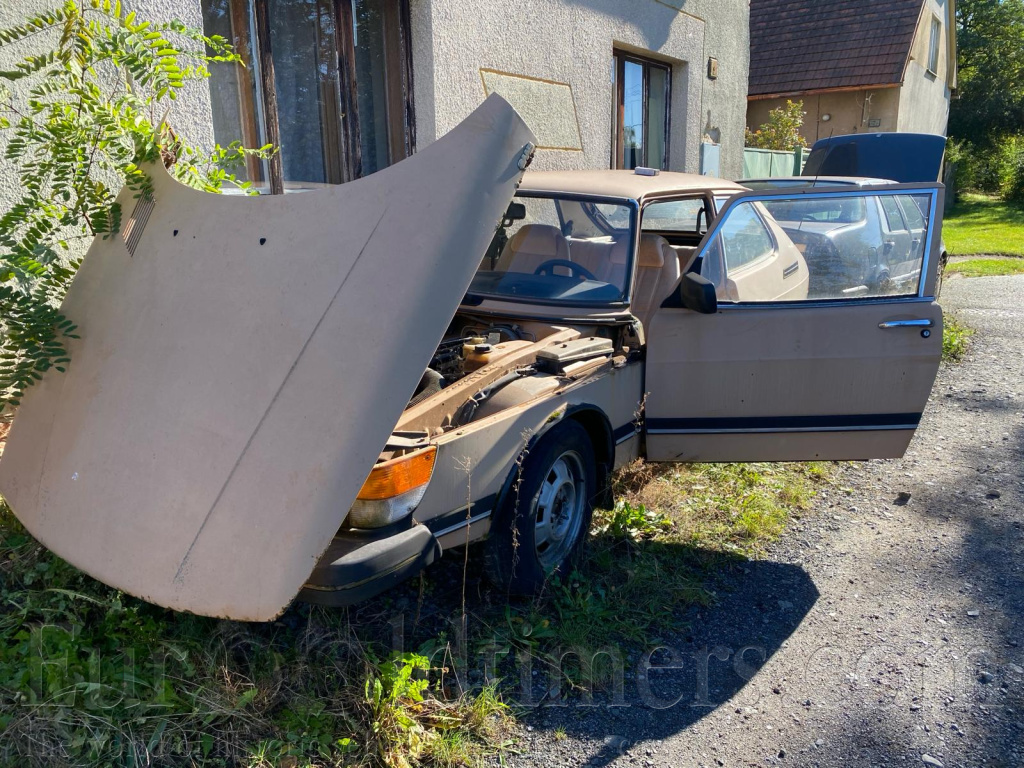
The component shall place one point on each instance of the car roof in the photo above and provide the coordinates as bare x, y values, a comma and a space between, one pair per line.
624, 184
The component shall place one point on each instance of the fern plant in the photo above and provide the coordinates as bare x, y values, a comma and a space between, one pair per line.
82, 112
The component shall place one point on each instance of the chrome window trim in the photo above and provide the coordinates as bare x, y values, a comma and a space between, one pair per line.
904, 299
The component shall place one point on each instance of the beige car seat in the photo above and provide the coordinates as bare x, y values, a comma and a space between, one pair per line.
657, 274
531, 246
605, 258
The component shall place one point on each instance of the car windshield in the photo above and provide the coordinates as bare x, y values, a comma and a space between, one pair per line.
563, 250
839, 210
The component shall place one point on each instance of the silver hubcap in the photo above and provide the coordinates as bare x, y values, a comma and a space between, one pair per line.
558, 509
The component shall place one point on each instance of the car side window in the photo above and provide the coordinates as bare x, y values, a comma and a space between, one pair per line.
892, 213
911, 212
689, 215
745, 239
822, 247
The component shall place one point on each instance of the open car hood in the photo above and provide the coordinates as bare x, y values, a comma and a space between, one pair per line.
242, 362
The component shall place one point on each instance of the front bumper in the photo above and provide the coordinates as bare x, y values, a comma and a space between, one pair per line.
359, 565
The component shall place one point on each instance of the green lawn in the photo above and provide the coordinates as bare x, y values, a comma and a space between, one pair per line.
987, 267
984, 224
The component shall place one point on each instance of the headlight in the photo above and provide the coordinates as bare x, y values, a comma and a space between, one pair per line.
393, 490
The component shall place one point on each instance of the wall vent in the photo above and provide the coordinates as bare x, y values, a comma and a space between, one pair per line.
132, 230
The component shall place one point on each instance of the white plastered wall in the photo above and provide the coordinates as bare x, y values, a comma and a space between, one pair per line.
570, 42
924, 97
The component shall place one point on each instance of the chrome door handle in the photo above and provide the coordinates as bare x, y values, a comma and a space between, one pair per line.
922, 323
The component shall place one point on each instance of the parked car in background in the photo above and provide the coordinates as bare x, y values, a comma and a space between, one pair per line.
317, 395
889, 237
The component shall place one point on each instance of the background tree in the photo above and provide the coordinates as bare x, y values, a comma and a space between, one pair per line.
82, 112
782, 131
990, 79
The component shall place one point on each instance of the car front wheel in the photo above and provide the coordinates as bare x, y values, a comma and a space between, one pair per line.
542, 525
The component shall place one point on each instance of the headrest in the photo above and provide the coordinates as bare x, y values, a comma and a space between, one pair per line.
620, 250
539, 240
652, 251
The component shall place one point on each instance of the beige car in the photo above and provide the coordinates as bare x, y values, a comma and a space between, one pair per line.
317, 395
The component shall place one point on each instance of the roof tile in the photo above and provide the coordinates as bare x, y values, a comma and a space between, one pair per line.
805, 45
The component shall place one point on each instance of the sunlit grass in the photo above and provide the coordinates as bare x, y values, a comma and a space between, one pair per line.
984, 224
987, 267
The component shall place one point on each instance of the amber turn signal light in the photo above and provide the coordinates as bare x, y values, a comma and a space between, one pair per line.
397, 476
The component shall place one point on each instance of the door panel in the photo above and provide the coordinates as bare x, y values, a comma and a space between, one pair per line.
785, 383
764, 380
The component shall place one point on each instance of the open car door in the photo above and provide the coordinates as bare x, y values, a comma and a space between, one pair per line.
836, 365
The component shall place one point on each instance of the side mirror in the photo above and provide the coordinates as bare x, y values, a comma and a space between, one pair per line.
698, 293
515, 212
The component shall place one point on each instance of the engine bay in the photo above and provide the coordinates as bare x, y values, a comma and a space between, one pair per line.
482, 367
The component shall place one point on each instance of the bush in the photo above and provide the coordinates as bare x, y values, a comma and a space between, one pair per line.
996, 169
782, 131
1011, 169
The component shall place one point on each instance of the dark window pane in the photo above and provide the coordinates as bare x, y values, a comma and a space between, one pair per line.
371, 83
657, 108
304, 45
633, 115
234, 98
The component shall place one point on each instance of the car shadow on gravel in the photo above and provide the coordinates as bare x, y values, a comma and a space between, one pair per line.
643, 689
675, 678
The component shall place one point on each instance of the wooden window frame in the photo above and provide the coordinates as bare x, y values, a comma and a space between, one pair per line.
619, 59
934, 45
343, 154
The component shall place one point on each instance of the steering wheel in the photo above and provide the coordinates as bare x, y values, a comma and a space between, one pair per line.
574, 269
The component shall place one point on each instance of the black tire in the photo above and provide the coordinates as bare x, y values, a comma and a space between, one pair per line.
524, 548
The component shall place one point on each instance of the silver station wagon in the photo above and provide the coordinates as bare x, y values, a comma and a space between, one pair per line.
316, 395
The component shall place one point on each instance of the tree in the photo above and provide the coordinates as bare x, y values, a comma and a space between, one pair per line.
83, 113
990, 77
782, 131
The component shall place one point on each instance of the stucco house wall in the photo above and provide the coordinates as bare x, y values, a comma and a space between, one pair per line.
571, 42
564, 44
925, 95
847, 111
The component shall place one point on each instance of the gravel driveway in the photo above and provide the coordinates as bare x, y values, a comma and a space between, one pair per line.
884, 629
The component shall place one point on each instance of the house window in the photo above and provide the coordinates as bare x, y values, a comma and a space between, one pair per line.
933, 45
641, 118
341, 82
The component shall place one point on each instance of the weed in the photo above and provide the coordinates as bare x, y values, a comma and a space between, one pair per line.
632, 521
956, 338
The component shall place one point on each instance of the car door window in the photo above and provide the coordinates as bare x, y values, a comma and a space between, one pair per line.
832, 246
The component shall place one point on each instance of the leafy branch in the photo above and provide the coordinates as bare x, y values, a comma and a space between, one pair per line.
82, 112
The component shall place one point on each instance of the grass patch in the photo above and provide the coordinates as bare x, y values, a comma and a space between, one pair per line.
984, 224
674, 530
956, 338
987, 267
89, 676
